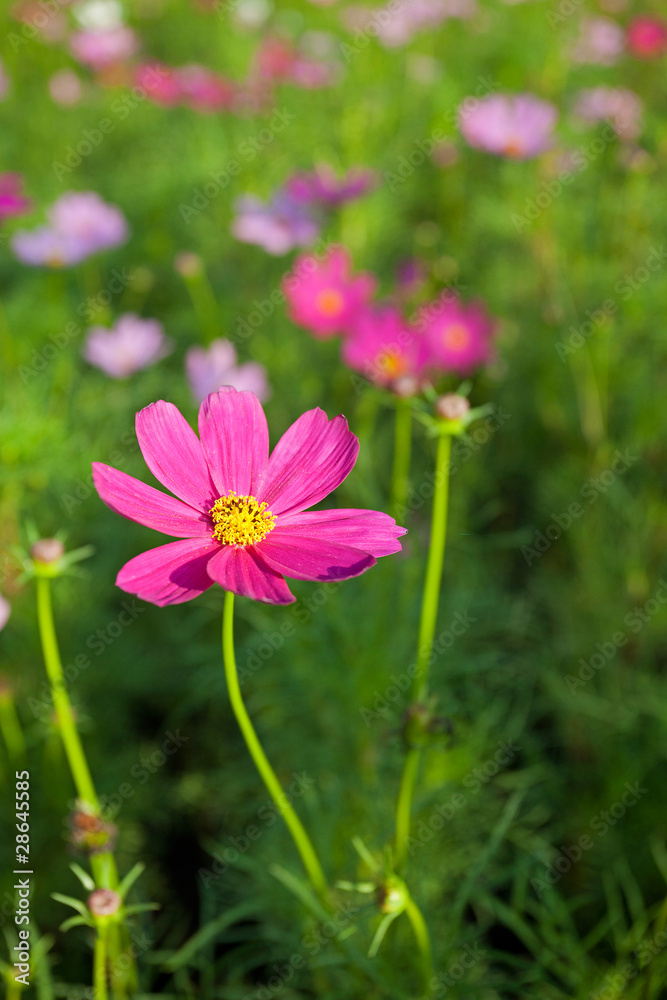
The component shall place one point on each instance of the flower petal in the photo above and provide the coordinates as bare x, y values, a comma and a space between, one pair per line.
170, 574
235, 439
313, 558
174, 455
368, 530
311, 459
141, 503
243, 571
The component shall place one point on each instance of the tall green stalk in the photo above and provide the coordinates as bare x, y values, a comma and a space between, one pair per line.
402, 450
427, 626
267, 774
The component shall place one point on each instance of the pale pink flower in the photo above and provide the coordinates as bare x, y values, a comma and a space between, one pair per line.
621, 107
130, 345
600, 41
210, 368
103, 47
516, 126
65, 87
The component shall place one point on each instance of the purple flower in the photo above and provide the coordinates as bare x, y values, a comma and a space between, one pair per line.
5, 611
132, 344
517, 126
210, 368
278, 226
322, 187
617, 105
600, 41
80, 224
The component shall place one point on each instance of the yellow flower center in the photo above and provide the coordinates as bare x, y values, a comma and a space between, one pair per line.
455, 336
391, 363
240, 520
513, 148
329, 302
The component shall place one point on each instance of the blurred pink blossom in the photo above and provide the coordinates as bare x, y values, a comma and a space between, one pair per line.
516, 126
103, 47
5, 611
80, 224
65, 87
621, 107
12, 200
397, 23
195, 86
600, 41
383, 347
458, 336
130, 345
209, 368
646, 37
323, 296
277, 226
323, 187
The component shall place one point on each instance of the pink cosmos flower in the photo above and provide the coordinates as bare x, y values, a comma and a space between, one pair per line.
646, 37
277, 226
80, 224
209, 368
161, 83
383, 347
322, 187
458, 336
241, 516
12, 200
323, 296
5, 611
617, 105
600, 41
101, 47
203, 90
518, 127
130, 345
65, 87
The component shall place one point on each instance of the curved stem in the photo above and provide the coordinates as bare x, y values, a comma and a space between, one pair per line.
76, 757
423, 939
427, 625
267, 774
402, 449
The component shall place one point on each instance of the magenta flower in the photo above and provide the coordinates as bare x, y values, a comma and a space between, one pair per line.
161, 83
518, 127
210, 368
130, 345
242, 516
322, 187
646, 37
12, 200
383, 347
323, 296
80, 224
458, 337
277, 226
203, 90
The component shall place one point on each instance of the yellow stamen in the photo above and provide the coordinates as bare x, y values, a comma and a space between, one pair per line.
240, 520
392, 363
455, 336
329, 302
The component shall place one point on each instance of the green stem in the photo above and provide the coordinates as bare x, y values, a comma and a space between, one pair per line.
420, 930
427, 625
299, 835
205, 305
402, 448
100, 965
76, 757
11, 729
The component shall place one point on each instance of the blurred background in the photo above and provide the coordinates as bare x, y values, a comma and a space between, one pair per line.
190, 119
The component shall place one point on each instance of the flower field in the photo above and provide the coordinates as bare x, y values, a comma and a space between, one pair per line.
333, 588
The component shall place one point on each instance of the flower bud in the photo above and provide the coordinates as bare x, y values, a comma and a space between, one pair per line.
406, 385
392, 895
47, 550
90, 833
188, 264
451, 406
104, 902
